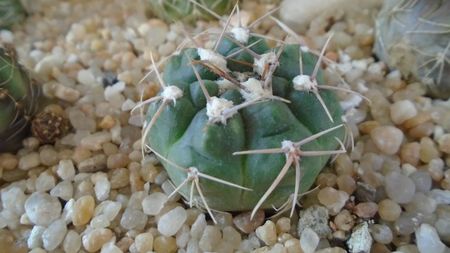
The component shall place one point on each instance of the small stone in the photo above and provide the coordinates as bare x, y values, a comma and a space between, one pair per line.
366, 209
118, 160
96, 238
231, 236
83, 210
346, 183
35, 237
428, 240
107, 122
316, 218
410, 153
93, 164
267, 233
63, 190
444, 143
399, 188
344, 221
13, 199
422, 180
42, 209
48, 156
171, 222
365, 192
247, 225
72, 242
45, 182
66, 93
210, 238
360, 241
110, 247
387, 139
8, 161
283, 225
332, 250
381, 233
133, 219
66, 170
108, 208
309, 240
119, 178
29, 161
422, 204
86, 77
198, 226
144, 242
165, 244
333, 199
94, 141
54, 235
402, 110
428, 150
102, 186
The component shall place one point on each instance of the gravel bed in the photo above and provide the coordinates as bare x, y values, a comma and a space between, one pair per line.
92, 191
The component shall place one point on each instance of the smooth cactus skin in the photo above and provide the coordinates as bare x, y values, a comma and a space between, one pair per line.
18, 101
11, 11
185, 10
414, 37
183, 135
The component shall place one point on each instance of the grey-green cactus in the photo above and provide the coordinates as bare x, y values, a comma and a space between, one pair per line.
188, 10
414, 37
242, 125
19, 96
11, 11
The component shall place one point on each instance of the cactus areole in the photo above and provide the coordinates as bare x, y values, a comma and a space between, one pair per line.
238, 118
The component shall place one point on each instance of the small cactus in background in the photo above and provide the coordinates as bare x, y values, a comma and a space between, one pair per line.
414, 37
243, 126
188, 10
19, 96
11, 11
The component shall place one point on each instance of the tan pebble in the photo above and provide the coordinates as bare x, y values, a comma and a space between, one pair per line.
267, 233
107, 122
346, 183
379, 248
66, 93
125, 243
444, 143
326, 180
95, 239
210, 238
119, 178
366, 209
389, 210
344, 165
387, 139
367, 126
247, 225
164, 244
402, 110
436, 169
332, 250
445, 183
83, 210
80, 154
283, 225
410, 153
420, 118
109, 148
428, 150
144, 242
119, 160
8, 161
293, 246
422, 130
344, 220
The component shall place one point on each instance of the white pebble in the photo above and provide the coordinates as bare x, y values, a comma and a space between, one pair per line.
399, 187
54, 234
144, 242
102, 187
35, 238
13, 199
428, 240
387, 139
109, 208
86, 77
94, 141
29, 161
72, 242
309, 240
133, 219
42, 209
45, 182
360, 240
66, 93
198, 227
153, 203
171, 222
402, 110
66, 170
63, 190
110, 248
46, 65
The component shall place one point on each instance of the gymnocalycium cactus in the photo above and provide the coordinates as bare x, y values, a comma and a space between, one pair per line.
11, 11
414, 37
188, 10
243, 126
19, 97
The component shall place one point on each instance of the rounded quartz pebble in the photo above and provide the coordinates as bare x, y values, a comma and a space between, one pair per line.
96, 238
171, 222
210, 238
402, 110
399, 188
165, 244
381, 233
366, 209
389, 210
344, 220
422, 180
83, 209
387, 139
72, 242
42, 209
133, 219
54, 234
153, 203
428, 240
333, 199
144, 242
267, 233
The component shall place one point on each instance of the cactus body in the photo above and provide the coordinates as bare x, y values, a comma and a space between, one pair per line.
414, 37
185, 135
11, 11
173, 10
18, 101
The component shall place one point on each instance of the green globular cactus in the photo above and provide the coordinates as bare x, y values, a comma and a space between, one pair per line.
188, 10
11, 11
414, 37
19, 96
243, 126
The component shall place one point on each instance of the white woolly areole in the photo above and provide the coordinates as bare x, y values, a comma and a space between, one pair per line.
241, 34
224, 85
288, 146
215, 110
172, 93
253, 89
304, 82
260, 64
216, 59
